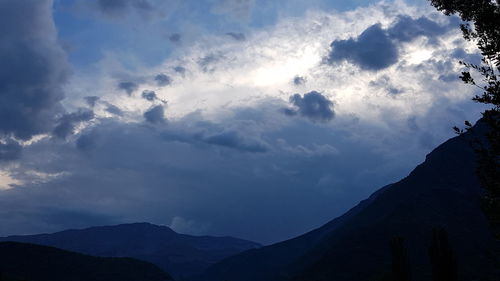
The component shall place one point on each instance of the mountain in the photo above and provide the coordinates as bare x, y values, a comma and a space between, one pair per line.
179, 254
441, 193
20, 261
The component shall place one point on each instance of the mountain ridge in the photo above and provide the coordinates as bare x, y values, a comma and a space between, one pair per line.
178, 254
443, 191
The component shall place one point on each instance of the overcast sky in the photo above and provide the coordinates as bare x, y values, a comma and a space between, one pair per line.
252, 118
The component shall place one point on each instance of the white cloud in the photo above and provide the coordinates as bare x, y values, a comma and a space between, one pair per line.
6, 181
263, 66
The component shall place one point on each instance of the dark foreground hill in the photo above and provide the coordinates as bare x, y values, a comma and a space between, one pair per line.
441, 193
179, 254
20, 261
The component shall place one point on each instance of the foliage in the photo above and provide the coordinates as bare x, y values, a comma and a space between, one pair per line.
482, 26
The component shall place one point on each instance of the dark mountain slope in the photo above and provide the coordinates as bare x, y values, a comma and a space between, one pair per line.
441, 192
178, 254
19, 261
269, 262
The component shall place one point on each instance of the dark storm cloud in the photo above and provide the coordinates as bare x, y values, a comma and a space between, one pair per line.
312, 105
406, 29
181, 70
10, 150
208, 133
155, 115
233, 140
372, 50
236, 36
32, 70
299, 80
377, 48
128, 87
149, 95
91, 100
130, 172
163, 80
68, 122
113, 109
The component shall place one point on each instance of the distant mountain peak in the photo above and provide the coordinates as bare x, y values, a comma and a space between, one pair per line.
179, 254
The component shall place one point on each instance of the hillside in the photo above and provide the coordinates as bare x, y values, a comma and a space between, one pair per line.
179, 254
20, 261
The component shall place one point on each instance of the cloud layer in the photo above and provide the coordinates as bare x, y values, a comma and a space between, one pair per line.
33, 69
257, 123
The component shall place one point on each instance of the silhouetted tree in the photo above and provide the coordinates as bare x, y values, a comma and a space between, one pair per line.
401, 269
482, 26
444, 265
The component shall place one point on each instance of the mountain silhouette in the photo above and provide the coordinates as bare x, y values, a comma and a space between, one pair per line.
441, 193
21, 261
179, 254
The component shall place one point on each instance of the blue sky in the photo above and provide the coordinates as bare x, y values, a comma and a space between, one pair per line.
256, 119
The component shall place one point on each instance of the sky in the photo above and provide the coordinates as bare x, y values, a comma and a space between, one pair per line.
249, 118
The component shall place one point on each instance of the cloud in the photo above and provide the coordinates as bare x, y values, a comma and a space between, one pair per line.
376, 48
163, 80
149, 95
299, 80
406, 29
227, 140
184, 226
461, 54
121, 9
179, 69
68, 122
208, 62
312, 105
128, 87
233, 140
237, 36
113, 109
155, 115
175, 38
129, 172
88, 140
10, 150
384, 83
372, 50
236, 10
91, 100
33, 69
234, 137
